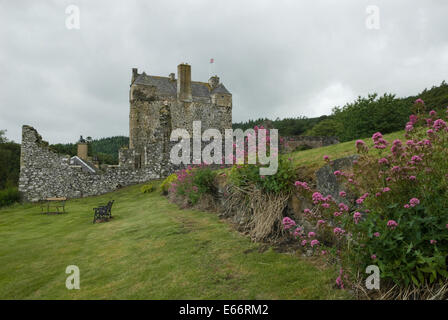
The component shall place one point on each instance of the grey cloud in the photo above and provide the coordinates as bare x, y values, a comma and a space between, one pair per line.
278, 58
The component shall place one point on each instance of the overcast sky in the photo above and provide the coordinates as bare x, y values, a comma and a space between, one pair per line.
277, 58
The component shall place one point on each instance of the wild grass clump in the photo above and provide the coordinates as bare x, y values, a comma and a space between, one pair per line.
8, 196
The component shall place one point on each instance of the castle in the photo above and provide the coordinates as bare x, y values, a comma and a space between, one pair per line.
158, 105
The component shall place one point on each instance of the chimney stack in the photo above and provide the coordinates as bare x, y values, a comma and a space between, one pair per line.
184, 82
82, 149
134, 74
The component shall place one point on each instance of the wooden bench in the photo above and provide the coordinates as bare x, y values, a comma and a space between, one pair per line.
56, 203
103, 213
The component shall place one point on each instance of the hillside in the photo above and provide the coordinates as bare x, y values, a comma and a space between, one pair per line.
359, 118
313, 158
150, 250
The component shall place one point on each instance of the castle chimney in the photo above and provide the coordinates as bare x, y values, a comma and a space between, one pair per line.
184, 82
134, 74
172, 76
213, 82
82, 149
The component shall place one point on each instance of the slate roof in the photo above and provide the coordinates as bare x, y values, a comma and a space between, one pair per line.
166, 86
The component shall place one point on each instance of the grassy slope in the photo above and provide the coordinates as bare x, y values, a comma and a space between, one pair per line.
314, 157
150, 250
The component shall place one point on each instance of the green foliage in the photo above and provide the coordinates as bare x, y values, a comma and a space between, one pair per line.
148, 188
166, 184
249, 174
193, 183
360, 118
326, 128
285, 127
9, 164
2, 136
366, 116
9, 196
109, 146
399, 222
105, 149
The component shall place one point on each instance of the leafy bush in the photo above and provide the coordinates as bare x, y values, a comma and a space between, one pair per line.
166, 184
243, 175
399, 221
9, 196
9, 164
282, 181
147, 188
365, 116
194, 182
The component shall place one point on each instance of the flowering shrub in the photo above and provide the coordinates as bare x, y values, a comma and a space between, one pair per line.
249, 174
166, 184
282, 181
192, 183
399, 221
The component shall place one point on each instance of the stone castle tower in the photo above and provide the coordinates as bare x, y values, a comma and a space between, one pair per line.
159, 105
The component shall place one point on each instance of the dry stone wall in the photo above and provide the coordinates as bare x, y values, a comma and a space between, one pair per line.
44, 173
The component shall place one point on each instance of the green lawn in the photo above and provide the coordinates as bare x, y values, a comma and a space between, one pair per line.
150, 250
314, 157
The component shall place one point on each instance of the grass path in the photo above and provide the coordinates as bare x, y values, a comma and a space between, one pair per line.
150, 250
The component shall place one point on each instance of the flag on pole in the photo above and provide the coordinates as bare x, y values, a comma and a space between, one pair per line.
211, 67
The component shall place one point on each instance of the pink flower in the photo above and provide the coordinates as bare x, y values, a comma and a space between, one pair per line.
392, 224
373, 256
343, 207
314, 242
432, 113
337, 173
419, 101
383, 161
323, 252
288, 223
409, 127
304, 242
326, 205
304, 185
432, 241
356, 217
326, 158
297, 231
412, 178
317, 197
338, 231
307, 211
376, 234
337, 214
406, 206
342, 194
439, 124
311, 234
413, 202
320, 222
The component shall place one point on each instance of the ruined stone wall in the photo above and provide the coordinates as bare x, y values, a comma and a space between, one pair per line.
44, 173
